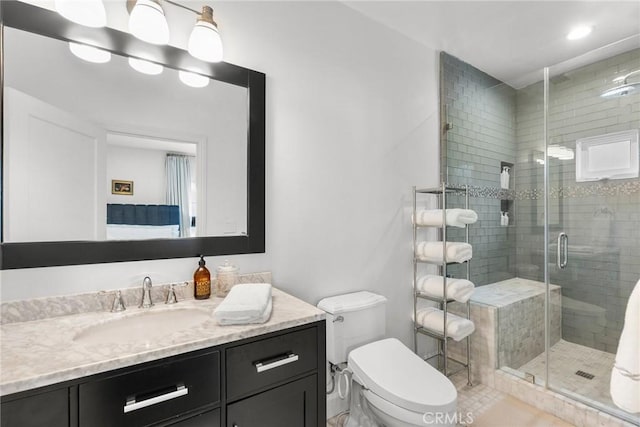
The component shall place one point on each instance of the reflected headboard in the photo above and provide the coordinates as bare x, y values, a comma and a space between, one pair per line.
143, 214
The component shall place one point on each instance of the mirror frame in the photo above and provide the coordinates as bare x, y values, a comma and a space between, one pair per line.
47, 23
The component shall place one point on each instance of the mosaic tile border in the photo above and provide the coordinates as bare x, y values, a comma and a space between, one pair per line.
575, 191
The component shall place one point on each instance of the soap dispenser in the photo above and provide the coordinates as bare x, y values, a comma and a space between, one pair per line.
504, 178
202, 281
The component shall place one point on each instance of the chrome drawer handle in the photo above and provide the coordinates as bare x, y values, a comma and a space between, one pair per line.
289, 358
132, 405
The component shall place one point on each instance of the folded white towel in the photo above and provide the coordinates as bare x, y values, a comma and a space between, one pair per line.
433, 319
625, 376
432, 252
260, 319
457, 289
455, 217
245, 303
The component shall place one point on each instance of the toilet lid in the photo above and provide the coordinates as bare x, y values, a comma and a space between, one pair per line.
392, 371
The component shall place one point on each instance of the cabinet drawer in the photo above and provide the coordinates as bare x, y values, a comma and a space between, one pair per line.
151, 394
49, 409
250, 367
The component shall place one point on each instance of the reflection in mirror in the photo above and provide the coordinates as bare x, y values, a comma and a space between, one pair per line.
168, 159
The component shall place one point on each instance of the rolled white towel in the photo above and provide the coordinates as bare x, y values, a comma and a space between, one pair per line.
625, 376
455, 217
433, 319
245, 303
432, 252
457, 289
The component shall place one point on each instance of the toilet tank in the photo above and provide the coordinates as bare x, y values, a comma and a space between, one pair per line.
353, 320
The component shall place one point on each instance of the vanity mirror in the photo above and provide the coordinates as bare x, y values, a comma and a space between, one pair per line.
80, 136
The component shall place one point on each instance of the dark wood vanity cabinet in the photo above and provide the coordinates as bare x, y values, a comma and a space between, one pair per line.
291, 404
48, 408
276, 379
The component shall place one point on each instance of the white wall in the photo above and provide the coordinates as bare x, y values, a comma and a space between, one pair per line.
351, 126
146, 168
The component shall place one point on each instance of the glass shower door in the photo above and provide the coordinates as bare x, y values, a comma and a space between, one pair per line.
593, 221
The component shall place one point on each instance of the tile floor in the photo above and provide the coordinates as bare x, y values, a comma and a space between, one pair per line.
489, 407
565, 359
483, 406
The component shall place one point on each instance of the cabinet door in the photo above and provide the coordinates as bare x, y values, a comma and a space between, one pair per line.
293, 404
208, 419
50, 409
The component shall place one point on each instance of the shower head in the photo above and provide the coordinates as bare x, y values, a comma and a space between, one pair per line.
624, 89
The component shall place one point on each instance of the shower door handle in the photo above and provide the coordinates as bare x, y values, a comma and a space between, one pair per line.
563, 250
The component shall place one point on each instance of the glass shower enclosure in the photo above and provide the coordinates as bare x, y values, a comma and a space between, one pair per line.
558, 277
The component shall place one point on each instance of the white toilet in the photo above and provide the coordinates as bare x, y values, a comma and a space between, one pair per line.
400, 388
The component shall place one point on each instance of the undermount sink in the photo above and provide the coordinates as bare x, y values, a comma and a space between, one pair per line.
143, 326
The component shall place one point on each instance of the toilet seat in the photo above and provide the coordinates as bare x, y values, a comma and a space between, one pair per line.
394, 373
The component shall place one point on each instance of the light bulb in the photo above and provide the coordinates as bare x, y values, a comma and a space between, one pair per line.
89, 53
205, 42
145, 67
90, 13
148, 23
193, 79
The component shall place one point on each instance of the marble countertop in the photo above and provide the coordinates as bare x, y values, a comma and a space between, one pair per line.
43, 352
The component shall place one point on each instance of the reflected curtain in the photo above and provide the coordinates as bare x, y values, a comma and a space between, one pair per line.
178, 174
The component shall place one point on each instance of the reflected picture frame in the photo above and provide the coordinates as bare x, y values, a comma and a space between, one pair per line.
121, 187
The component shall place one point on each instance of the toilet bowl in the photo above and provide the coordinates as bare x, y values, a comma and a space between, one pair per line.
402, 390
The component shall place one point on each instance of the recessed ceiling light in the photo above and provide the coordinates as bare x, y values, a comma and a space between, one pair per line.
579, 32
89, 53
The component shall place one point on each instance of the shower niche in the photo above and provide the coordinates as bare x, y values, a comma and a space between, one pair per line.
507, 205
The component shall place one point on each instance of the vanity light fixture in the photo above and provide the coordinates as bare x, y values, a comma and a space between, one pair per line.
147, 21
579, 32
205, 42
193, 79
145, 67
90, 13
89, 53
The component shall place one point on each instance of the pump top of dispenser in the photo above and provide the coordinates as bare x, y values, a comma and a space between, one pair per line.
202, 262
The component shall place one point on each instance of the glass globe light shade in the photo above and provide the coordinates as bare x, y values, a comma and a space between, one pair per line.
205, 42
145, 67
193, 79
148, 23
89, 53
90, 13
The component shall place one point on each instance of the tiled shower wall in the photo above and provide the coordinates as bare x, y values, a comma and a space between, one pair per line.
494, 123
482, 112
601, 218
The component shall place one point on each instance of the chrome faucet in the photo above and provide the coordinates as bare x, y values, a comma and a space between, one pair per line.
171, 295
146, 293
118, 303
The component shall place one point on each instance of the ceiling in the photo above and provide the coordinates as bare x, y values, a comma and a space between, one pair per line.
513, 40
510, 40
